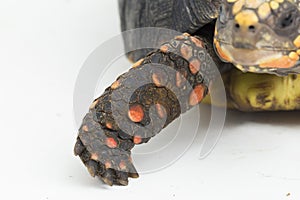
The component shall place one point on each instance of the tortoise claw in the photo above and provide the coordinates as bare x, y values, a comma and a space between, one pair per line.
122, 178
79, 148
108, 177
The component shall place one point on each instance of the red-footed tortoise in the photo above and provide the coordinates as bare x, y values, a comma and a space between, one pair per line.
260, 37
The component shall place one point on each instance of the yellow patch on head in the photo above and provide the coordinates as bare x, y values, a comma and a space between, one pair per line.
264, 10
246, 18
274, 5
237, 7
253, 3
297, 41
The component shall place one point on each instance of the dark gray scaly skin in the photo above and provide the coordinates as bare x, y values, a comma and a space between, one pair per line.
103, 147
165, 14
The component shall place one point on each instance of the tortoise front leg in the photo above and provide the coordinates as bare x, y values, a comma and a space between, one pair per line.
177, 78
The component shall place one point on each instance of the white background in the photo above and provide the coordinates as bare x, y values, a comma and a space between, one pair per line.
43, 44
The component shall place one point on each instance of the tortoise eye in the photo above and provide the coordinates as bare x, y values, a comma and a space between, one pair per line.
287, 17
287, 20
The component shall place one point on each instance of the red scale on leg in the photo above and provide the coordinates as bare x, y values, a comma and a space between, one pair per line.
122, 165
196, 95
137, 139
194, 66
186, 51
164, 48
136, 113
159, 78
197, 42
107, 164
161, 111
109, 125
111, 143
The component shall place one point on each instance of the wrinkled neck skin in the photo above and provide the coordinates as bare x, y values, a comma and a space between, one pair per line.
260, 36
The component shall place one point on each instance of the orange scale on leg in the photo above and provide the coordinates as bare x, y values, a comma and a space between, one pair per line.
137, 139
122, 165
136, 113
194, 66
196, 95
111, 143
186, 51
197, 42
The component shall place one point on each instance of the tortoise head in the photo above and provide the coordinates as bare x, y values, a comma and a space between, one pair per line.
260, 35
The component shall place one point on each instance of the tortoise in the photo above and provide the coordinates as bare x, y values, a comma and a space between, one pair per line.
254, 43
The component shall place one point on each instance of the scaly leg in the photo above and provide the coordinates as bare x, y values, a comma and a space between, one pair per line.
120, 118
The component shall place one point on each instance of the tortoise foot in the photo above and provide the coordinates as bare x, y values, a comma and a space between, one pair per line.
102, 170
106, 157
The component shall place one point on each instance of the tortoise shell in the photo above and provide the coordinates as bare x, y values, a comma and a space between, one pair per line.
260, 36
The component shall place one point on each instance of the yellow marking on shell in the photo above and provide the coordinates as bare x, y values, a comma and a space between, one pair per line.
237, 7
297, 41
294, 56
264, 10
253, 3
246, 18
240, 67
231, 1
279, 1
274, 5
298, 51
252, 69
